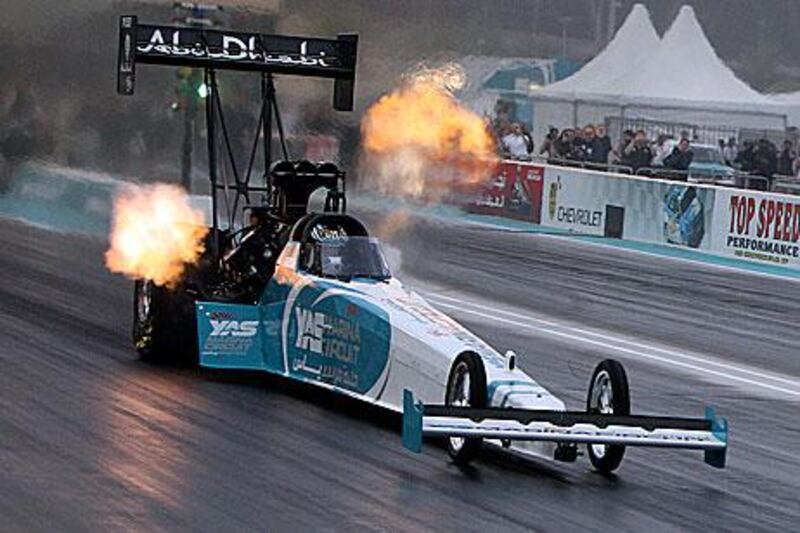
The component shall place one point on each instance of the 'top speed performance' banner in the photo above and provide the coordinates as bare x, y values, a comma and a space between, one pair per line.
757, 226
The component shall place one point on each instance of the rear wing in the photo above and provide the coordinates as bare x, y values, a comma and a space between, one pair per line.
232, 50
709, 434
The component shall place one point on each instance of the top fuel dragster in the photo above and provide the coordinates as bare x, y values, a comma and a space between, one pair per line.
310, 296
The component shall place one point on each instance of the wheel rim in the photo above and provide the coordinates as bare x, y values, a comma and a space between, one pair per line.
144, 300
459, 396
144, 320
602, 401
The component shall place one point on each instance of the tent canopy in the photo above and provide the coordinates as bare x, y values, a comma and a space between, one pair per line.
686, 66
638, 67
679, 78
608, 72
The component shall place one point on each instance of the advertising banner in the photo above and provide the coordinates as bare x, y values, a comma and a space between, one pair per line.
758, 226
514, 192
596, 203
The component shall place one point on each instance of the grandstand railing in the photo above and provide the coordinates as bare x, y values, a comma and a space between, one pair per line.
588, 165
740, 180
786, 184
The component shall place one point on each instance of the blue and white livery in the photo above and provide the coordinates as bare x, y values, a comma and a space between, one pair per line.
332, 316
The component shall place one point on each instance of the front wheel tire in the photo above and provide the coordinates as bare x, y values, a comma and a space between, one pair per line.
466, 387
608, 394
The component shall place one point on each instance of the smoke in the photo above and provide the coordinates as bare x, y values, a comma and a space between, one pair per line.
155, 233
420, 142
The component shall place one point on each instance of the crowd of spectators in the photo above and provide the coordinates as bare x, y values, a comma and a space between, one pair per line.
591, 143
591, 146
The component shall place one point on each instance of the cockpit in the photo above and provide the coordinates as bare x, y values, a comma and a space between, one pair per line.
338, 246
345, 258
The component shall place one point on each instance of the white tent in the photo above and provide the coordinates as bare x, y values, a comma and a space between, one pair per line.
607, 73
686, 67
679, 78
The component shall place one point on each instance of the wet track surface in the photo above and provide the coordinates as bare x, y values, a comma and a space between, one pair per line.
91, 437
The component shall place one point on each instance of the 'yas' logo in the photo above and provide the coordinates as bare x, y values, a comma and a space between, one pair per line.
224, 328
310, 327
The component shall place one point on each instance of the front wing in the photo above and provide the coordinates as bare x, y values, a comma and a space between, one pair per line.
709, 434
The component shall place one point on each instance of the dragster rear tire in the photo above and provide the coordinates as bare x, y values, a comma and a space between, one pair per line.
470, 366
164, 325
609, 394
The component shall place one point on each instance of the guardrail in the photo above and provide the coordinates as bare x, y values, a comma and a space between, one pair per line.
588, 165
60, 197
739, 180
786, 184
746, 181
663, 173
756, 226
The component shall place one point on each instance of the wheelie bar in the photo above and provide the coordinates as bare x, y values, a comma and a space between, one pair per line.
709, 434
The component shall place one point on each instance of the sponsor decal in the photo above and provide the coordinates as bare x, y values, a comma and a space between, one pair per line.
684, 216
514, 192
553, 202
223, 328
571, 215
578, 216
763, 228
232, 48
228, 336
322, 233
331, 338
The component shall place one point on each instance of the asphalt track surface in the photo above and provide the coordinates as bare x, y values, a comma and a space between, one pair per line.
92, 438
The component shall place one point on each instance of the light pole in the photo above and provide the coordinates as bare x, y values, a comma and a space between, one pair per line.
194, 15
612, 18
564, 21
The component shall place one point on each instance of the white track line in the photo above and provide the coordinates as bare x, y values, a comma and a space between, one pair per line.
617, 344
622, 340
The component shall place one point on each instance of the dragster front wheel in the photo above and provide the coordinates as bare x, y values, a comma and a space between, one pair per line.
608, 394
466, 387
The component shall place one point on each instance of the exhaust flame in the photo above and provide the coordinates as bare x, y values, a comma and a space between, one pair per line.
155, 232
420, 142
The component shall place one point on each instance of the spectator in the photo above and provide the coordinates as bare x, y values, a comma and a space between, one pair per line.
744, 159
563, 144
721, 144
681, 156
796, 167
765, 162
572, 149
638, 153
586, 143
602, 145
549, 145
528, 139
786, 159
661, 149
514, 143
577, 153
731, 151
619, 151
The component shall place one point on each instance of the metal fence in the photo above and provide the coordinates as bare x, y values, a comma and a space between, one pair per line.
786, 184
705, 134
740, 180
